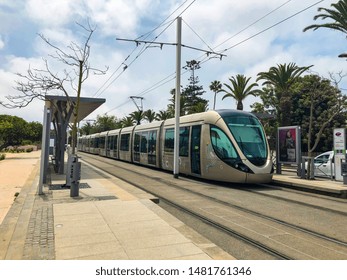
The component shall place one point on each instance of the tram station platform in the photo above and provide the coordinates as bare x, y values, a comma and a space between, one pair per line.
110, 219
319, 185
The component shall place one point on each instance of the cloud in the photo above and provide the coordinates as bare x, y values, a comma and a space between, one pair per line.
2, 43
214, 22
51, 13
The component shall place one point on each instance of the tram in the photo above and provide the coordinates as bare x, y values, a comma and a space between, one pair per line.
222, 145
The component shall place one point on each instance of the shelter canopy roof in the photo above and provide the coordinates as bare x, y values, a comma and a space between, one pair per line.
86, 107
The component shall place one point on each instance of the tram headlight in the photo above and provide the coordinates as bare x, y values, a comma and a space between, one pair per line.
242, 167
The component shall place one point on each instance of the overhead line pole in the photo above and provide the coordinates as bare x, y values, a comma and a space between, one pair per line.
178, 85
176, 170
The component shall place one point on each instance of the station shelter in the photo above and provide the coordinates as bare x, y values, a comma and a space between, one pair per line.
59, 111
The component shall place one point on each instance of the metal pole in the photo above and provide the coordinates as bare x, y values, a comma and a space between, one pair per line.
44, 148
177, 97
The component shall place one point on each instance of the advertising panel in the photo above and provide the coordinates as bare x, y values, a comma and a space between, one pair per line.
288, 146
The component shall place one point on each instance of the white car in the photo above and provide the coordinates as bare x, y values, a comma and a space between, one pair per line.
324, 164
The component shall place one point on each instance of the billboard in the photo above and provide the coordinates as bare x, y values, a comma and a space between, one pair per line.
288, 144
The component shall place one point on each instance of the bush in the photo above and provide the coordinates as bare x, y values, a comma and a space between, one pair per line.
2, 156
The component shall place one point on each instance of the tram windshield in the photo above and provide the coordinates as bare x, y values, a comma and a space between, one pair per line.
249, 134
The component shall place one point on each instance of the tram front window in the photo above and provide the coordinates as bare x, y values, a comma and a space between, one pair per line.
249, 134
223, 147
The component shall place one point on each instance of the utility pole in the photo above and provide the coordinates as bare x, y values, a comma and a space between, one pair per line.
179, 46
176, 170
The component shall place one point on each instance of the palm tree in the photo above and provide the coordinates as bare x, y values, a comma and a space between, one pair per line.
281, 78
127, 121
199, 108
86, 129
149, 115
239, 89
338, 15
163, 115
137, 116
215, 86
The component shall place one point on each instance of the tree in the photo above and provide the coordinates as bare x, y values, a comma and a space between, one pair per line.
16, 131
12, 130
171, 105
239, 89
191, 94
280, 79
37, 83
86, 129
338, 15
215, 86
34, 132
137, 116
149, 115
199, 108
319, 107
163, 115
127, 121
105, 123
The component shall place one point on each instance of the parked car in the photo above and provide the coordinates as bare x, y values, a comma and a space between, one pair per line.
324, 165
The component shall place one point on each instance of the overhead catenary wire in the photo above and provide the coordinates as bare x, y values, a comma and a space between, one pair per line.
207, 58
146, 35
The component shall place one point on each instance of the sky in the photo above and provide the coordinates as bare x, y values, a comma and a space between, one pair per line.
253, 35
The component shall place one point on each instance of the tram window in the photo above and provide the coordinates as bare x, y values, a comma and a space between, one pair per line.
115, 143
184, 141
152, 142
250, 137
124, 142
144, 140
110, 143
222, 145
169, 140
102, 143
137, 142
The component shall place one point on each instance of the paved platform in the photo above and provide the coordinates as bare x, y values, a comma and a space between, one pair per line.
110, 219
319, 185
104, 222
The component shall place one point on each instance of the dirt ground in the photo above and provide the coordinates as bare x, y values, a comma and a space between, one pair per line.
14, 172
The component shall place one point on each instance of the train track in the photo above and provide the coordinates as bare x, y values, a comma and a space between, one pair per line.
276, 237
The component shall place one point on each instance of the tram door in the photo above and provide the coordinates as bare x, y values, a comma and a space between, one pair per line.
195, 149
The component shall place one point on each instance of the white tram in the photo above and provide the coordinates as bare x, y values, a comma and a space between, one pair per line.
222, 145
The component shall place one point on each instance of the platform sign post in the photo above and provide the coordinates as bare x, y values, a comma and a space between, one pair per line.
339, 151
